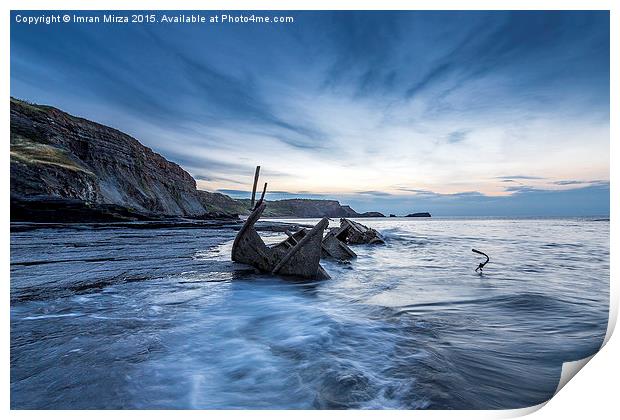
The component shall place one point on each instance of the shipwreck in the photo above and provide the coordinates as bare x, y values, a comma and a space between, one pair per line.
299, 255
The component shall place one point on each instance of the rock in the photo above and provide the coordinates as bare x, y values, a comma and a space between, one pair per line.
71, 211
423, 214
371, 214
215, 215
299, 207
392, 215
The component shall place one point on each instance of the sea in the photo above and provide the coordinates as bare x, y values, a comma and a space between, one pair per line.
120, 317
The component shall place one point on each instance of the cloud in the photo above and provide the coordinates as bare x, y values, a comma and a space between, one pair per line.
434, 75
457, 136
359, 48
594, 182
414, 190
582, 201
198, 162
570, 182
374, 193
520, 189
513, 177
236, 97
219, 179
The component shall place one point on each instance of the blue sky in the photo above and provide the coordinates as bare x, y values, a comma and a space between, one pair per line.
457, 113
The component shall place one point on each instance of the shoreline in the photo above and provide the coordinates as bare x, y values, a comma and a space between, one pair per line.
263, 225
275, 224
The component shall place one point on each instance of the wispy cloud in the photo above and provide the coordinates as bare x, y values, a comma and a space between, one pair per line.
513, 177
571, 182
457, 136
373, 193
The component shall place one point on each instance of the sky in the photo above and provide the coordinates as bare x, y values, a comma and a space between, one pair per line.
457, 113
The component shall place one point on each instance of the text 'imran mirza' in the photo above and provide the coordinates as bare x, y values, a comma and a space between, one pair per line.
191, 18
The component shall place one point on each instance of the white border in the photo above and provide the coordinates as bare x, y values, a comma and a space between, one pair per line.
311, 5
592, 394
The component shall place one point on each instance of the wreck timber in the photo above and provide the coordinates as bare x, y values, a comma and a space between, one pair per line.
351, 232
298, 256
335, 248
300, 253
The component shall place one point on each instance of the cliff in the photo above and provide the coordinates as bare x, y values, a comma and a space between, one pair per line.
64, 163
298, 207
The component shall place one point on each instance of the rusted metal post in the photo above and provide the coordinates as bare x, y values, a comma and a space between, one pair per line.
481, 265
254, 187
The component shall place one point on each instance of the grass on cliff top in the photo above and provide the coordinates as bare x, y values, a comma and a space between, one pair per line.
33, 153
30, 105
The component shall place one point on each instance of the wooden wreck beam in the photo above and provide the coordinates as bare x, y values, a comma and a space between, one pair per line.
316, 230
248, 224
254, 187
291, 237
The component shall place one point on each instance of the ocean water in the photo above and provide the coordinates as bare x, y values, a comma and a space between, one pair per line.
139, 318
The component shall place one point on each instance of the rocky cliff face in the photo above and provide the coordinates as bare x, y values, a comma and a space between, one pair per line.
298, 207
56, 157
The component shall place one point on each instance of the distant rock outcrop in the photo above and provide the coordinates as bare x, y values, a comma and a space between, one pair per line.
70, 164
372, 214
300, 207
422, 214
